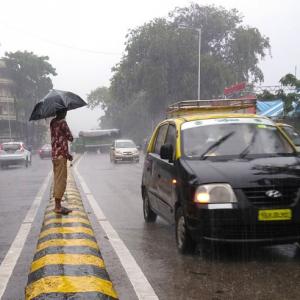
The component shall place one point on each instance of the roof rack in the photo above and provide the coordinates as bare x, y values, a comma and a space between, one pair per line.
188, 107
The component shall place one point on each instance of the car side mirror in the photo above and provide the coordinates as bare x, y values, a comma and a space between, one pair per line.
166, 152
112, 148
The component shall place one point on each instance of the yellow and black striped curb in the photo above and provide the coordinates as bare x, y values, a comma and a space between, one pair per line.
67, 263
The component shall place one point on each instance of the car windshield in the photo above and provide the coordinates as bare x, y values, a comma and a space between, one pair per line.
125, 144
11, 147
206, 139
292, 134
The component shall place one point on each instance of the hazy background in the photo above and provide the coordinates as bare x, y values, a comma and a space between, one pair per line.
84, 39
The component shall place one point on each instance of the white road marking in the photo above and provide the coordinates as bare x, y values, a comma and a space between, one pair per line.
141, 285
9, 262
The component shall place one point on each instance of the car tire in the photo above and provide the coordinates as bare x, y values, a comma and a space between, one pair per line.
185, 244
149, 215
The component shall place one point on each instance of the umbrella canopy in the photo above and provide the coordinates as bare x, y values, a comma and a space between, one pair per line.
55, 101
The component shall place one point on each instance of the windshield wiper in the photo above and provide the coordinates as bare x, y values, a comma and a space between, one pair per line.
216, 144
245, 152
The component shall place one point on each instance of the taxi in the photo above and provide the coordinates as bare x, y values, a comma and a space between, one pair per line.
222, 175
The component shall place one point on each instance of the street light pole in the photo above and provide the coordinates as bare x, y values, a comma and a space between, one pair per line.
199, 62
9, 125
199, 55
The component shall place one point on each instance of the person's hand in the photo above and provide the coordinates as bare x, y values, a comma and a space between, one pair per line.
70, 157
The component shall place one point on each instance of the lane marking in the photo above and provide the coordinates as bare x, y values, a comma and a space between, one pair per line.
140, 283
66, 259
63, 242
64, 230
66, 221
70, 284
72, 214
9, 262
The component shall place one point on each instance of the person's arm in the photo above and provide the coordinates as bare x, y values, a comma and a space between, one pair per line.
67, 131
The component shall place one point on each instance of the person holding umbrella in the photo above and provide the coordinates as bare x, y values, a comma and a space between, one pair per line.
57, 103
60, 136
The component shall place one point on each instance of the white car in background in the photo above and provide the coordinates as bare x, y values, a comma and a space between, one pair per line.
14, 153
124, 150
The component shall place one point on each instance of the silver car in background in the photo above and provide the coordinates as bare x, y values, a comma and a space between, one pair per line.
124, 150
14, 153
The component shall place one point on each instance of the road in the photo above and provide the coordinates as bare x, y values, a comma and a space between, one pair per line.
266, 273
18, 189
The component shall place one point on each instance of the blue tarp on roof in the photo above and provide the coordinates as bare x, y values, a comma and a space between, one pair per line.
272, 108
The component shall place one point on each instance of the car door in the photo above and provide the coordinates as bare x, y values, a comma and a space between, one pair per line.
151, 165
166, 175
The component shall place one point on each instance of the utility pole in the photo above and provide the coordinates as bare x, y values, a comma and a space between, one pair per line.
199, 55
199, 63
9, 125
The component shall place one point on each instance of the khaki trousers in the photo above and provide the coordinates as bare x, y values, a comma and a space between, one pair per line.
60, 177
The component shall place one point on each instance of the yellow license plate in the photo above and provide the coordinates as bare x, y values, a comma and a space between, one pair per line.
274, 214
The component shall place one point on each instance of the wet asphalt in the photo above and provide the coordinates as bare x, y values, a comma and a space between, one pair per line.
217, 273
18, 188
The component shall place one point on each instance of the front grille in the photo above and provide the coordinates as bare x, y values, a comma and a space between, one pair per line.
257, 196
257, 231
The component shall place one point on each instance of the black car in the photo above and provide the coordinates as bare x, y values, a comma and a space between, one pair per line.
223, 178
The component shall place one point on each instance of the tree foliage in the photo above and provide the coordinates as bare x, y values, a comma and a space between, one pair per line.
289, 80
161, 61
31, 74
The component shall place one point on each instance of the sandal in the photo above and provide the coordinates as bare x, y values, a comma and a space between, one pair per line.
63, 211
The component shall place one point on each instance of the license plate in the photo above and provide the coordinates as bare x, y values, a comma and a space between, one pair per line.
274, 214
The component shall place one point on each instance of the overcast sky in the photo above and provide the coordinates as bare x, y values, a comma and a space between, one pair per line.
85, 38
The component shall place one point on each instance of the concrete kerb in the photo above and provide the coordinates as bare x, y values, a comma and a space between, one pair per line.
68, 263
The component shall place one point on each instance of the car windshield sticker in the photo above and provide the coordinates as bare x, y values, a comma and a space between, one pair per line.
198, 123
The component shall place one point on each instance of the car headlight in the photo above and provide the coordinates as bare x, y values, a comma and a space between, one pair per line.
214, 193
119, 152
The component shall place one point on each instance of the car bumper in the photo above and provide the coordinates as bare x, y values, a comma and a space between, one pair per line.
241, 225
127, 157
5, 160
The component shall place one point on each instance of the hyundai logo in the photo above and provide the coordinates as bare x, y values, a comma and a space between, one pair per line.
273, 194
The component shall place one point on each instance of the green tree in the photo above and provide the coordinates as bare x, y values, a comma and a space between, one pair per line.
99, 97
31, 74
289, 80
161, 61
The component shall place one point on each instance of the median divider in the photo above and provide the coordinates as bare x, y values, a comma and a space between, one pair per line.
67, 263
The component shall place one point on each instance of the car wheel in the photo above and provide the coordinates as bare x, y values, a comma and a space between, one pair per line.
149, 215
184, 242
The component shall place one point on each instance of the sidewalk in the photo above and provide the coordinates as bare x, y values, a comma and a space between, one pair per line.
67, 263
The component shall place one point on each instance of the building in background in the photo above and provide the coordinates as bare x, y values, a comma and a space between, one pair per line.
8, 116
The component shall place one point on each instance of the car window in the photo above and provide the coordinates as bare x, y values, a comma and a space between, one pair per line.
292, 134
11, 147
171, 136
257, 139
125, 144
160, 138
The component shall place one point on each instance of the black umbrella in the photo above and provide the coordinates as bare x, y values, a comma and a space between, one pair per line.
55, 101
